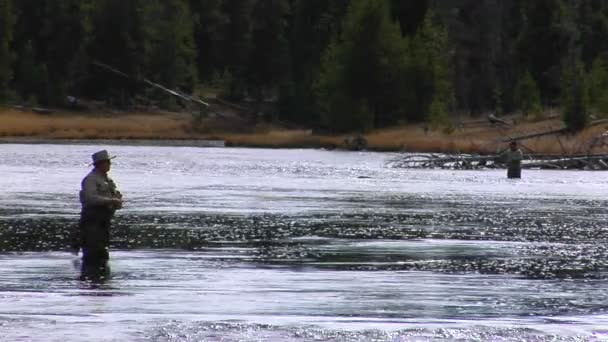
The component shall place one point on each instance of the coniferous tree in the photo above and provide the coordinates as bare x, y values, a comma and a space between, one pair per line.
314, 23
473, 24
468, 57
527, 96
29, 86
30, 72
592, 26
209, 21
362, 77
575, 98
169, 55
64, 32
268, 63
235, 48
598, 79
7, 22
598, 85
429, 67
543, 41
509, 67
117, 39
409, 14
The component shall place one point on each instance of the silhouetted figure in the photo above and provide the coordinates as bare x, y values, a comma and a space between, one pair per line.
512, 157
100, 199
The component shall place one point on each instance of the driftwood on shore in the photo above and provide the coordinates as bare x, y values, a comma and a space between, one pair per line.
475, 162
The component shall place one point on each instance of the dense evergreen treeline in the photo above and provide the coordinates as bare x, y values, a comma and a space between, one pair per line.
338, 64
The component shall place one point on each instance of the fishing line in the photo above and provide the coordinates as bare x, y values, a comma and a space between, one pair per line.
138, 198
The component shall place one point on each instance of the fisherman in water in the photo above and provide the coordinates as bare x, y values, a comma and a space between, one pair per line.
100, 199
512, 157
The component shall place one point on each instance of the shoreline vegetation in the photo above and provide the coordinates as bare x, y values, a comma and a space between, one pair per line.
471, 135
275, 69
338, 66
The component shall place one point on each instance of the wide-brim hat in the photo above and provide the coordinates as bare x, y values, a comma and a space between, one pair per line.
100, 156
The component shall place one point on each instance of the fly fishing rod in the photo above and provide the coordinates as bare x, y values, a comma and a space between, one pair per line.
156, 85
175, 93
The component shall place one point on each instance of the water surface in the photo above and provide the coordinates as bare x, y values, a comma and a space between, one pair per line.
302, 245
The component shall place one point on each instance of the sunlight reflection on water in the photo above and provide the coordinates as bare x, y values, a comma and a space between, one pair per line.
295, 245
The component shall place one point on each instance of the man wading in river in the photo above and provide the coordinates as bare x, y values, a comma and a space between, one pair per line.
512, 157
100, 199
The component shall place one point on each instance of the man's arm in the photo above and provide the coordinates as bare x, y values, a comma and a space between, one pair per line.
501, 157
116, 195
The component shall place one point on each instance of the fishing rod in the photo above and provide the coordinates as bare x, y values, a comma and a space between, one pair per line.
156, 85
175, 93
509, 137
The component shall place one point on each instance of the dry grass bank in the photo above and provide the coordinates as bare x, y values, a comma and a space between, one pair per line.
485, 139
412, 138
15, 123
276, 138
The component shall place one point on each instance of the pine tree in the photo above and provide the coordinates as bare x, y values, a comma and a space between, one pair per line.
592, 26
117, 39
498, 101
268, 64
7, 22
543, 41
527, 96
209, 21
362, 77
314, 24
64, 33
430, 72
170, 56
31, 77
575, 98
28, 72
410, 14
48, 37
235, 48
598, 80
598, 86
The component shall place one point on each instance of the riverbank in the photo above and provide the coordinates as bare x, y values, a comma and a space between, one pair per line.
175, 129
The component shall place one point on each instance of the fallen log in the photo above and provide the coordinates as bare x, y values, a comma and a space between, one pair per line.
535, 135
475, 162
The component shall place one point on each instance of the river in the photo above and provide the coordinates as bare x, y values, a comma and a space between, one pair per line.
227, 244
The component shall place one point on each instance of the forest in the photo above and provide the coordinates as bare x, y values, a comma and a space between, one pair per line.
338, 65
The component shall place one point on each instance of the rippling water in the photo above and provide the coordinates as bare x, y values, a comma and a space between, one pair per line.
302, 245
